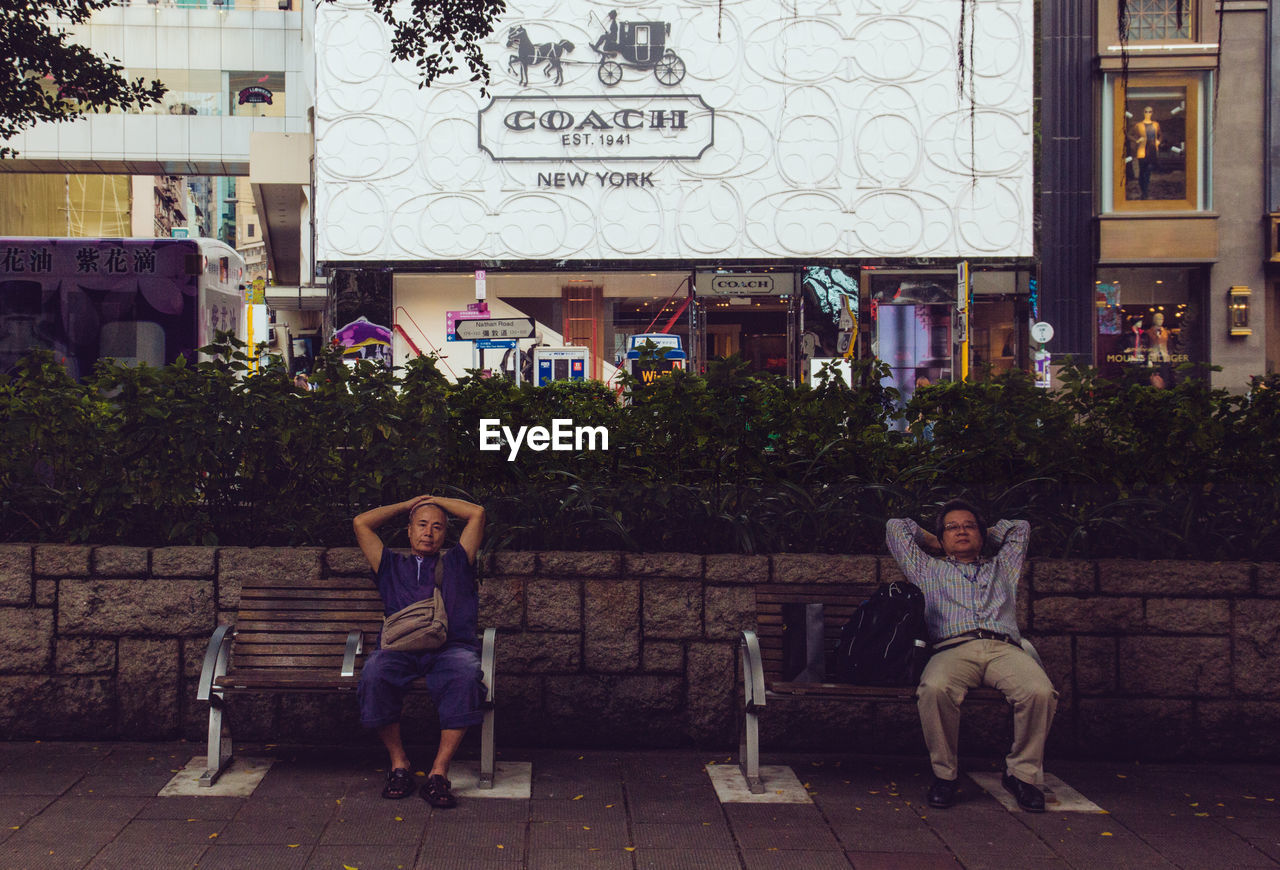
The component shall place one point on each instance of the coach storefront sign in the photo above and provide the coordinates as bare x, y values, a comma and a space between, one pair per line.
621, 128
743, 284
758, 133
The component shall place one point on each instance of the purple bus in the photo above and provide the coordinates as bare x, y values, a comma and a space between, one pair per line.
135, 300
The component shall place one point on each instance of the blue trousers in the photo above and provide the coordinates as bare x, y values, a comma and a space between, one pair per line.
453, 681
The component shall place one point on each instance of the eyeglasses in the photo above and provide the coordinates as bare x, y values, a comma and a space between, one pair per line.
955, 527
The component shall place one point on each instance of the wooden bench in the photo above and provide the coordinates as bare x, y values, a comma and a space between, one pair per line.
309, 638
762, 661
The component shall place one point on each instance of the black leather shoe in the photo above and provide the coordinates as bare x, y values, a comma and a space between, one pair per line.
1029, 797
942, 793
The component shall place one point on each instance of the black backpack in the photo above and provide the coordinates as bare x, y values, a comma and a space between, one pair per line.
885, 642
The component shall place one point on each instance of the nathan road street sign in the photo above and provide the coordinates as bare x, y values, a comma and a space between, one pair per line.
496, 327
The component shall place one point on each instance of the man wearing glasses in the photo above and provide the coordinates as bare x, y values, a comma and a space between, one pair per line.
970, 603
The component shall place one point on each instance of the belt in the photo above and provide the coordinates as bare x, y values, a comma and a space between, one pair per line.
976, 634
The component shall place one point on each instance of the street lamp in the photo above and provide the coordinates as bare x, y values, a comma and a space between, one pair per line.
1238, 310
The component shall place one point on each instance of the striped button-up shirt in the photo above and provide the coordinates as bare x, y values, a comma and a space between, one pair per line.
964, 596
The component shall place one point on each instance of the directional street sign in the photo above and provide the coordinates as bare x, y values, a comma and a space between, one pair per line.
451, 318
497, 327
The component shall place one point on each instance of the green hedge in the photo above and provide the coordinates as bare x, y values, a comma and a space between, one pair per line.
729, 462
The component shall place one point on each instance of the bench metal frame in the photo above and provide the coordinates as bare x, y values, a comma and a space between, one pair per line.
213, 687
758, 689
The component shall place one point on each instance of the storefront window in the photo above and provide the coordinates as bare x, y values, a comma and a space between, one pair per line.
257, 94
191, 92
1156, 139
830, 311
752, 315
994, 342
599, 311
911, 326
213, 92
1149, 322
753, 328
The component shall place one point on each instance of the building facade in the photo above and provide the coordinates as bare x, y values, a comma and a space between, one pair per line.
790, 185
779, 183
1156, 131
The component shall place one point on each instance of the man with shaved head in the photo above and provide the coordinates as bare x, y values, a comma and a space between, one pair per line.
452, 672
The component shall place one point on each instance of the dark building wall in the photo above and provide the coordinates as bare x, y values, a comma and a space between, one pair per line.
1067, 144
1273, 117
1239, 182
1272, 92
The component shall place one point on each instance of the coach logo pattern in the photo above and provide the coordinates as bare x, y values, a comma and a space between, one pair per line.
815, 130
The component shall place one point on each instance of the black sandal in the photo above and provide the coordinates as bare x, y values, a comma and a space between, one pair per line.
399, 784
435, 791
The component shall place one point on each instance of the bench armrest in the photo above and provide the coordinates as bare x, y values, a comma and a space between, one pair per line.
486, 662
355, 646
752, 671
215, 660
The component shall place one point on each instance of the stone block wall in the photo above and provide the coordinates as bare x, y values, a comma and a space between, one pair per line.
1154, 660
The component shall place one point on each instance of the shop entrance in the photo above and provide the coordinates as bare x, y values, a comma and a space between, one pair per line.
995, 341
913, 321
749, 315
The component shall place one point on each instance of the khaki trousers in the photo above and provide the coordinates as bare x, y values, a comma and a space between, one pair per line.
949, 676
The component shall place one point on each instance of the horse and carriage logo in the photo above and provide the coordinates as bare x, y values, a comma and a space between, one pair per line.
638, 45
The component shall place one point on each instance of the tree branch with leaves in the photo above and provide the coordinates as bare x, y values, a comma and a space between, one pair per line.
435, 33
48, 77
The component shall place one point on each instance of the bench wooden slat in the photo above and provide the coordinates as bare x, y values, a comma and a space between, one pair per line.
288, 646
252, 680
336, 595
772, 623
337, 636
331, 663
292, 636
341, 603
843, 690
774, 603
246, 679
317, 623
835, 594
271, 611
284, 582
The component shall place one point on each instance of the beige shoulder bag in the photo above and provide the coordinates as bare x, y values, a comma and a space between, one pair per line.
422, 626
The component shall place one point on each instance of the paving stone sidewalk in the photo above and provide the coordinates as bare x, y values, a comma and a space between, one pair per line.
80, 805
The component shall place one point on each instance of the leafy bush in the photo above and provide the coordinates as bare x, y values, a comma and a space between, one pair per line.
730, 462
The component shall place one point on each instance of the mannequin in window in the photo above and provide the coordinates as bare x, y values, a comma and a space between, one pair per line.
1137, 352
1145, 137
1158, 335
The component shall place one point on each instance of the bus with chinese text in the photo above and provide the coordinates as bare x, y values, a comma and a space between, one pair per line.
135, 300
